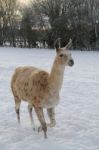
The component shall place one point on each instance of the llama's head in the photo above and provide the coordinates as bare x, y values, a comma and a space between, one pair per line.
64, 56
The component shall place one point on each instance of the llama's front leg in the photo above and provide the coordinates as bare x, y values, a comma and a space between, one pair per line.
40, 115
31, 117
51, 114
17, 107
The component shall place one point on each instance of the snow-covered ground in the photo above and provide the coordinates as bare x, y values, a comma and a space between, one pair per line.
77, 114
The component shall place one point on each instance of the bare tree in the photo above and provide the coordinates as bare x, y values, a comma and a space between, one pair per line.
8, 14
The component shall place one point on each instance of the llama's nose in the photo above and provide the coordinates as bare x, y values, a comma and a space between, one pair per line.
71, 62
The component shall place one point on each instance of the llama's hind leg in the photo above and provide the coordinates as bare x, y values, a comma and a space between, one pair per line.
51, 114
31, 116
17, 107
40, 115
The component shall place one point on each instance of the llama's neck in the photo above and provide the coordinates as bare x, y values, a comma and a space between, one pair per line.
56, 76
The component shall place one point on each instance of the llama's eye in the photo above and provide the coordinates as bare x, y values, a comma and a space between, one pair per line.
61, 55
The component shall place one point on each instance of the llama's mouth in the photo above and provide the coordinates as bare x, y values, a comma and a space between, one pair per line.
71, 62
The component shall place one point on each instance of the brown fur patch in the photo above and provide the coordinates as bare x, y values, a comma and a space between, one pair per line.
36, 102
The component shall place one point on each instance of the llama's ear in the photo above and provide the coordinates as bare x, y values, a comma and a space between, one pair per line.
57, 45
69, 45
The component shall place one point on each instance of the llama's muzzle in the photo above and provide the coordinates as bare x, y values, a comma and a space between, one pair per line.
71, 62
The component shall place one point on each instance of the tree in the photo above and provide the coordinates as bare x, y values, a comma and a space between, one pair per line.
7, 19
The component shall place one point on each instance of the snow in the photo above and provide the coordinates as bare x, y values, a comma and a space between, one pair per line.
77, 114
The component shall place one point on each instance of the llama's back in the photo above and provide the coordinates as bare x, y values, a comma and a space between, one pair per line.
29, 83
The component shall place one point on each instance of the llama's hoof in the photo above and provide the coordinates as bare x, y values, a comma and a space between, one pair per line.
34, 129
51, 124
39, 129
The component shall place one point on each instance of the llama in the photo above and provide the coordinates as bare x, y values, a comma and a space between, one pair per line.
40, 88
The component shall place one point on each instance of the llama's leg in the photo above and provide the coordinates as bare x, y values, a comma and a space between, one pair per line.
40, 115
17, 107
51, 114
31, 117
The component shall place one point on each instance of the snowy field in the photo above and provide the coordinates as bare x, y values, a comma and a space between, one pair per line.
77, 114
